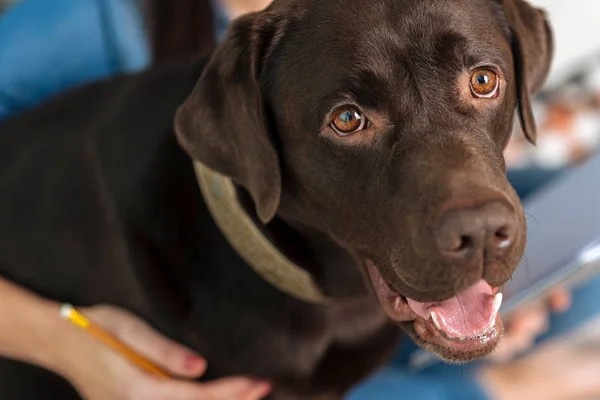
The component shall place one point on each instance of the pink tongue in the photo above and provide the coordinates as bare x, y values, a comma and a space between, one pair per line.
465, 315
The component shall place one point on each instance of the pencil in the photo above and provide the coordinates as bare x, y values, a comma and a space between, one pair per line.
70, 313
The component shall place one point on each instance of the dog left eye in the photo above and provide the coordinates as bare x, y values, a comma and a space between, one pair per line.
348, 120
484, 83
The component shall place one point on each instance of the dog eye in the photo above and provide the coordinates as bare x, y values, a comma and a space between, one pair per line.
347, 120
484, 83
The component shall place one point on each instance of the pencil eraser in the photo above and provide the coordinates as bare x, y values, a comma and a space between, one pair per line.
65, 311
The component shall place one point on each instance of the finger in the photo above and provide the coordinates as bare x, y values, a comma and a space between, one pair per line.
559, 300
142, 338
531, 324
503, 351
221, 389
508, 348
259, 392
224, 389
512, 345
521, 318
526, 326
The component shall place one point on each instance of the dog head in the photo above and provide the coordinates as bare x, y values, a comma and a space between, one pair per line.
382, 126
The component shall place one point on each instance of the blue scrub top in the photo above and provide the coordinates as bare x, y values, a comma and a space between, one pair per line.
48, 47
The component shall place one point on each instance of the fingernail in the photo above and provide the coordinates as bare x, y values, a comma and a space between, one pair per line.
193, 363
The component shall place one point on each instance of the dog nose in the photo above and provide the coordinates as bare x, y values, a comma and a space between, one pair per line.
488, 230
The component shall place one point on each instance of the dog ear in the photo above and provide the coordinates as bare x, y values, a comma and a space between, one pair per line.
533, 47
224, 122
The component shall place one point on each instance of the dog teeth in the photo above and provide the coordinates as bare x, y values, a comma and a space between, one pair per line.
497, 302
492, 324
435, 320
495, 307
397, 302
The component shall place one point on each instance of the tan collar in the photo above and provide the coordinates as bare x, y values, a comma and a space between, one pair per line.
249, 242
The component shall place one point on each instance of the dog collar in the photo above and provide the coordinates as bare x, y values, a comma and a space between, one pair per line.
244, 236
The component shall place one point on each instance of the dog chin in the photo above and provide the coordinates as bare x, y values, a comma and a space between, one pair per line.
461, 329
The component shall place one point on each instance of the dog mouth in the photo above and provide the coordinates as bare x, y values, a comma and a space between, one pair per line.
462, 328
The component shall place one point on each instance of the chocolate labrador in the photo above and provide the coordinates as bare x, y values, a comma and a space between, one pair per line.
363, 145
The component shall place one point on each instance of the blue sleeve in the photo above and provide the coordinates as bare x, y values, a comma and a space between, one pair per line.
396, 384
221, 19
47, 47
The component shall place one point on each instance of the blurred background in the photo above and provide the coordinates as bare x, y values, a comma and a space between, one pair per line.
568, 110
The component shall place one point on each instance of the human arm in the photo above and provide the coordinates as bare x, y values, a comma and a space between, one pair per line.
31, 331
22, 314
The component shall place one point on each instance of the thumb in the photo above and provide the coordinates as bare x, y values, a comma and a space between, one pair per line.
559, 299
142, 338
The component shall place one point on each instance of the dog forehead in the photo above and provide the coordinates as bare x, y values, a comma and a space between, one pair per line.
377, 48
361, 14
343, 36
384, 24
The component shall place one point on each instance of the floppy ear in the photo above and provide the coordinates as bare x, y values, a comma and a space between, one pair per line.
533, 47
223, 123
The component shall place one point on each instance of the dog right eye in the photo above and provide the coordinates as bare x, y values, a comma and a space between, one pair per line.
484, 83
348, 120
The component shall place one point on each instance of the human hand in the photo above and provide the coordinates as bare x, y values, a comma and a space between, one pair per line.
528, 323
99, 373
555, 371
236, 8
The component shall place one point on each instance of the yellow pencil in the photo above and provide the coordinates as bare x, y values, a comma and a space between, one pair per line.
69, 313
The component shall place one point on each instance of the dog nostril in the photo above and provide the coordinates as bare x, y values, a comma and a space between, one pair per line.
457, 246
455, 243
502, 239
501, 235
466, 242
